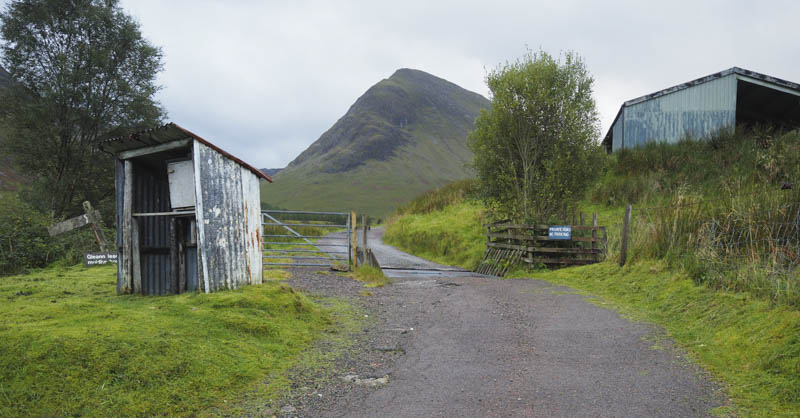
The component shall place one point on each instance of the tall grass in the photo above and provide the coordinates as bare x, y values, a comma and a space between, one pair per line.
438, 199
716, 208
444, 225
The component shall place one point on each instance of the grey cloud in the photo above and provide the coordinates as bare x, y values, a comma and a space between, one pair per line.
263, 79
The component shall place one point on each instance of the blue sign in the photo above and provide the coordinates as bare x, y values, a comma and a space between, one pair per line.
560, 232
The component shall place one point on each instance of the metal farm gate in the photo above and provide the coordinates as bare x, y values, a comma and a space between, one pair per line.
302, 238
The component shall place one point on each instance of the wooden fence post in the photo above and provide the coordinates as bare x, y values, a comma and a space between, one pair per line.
594, 236
364, 238
626, 228
583, 218
353, 237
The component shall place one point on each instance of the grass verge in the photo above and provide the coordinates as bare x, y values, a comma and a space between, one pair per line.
71, 346
371, 276
749, 344
453, 235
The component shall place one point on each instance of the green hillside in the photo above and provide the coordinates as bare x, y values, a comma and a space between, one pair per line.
405, 135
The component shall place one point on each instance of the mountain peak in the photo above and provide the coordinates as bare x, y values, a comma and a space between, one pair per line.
384, 117
412, 119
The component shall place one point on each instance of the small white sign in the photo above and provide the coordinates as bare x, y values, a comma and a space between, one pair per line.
96, 259
562, 232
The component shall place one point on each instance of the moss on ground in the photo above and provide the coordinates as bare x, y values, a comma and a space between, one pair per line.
71, 346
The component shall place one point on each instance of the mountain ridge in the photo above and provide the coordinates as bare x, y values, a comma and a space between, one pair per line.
406, 134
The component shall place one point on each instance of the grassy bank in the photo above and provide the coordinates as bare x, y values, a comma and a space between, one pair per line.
453, 235
71, 346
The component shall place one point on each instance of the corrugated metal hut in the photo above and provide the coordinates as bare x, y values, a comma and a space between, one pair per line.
702, 107
188, 214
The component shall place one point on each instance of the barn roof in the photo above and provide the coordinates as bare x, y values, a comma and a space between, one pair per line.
163, 134
763, 79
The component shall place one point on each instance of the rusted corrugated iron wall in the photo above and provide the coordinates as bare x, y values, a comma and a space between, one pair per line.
223, 222
696, 111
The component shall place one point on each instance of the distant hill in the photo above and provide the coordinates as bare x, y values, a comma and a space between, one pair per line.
405, 135
270, 171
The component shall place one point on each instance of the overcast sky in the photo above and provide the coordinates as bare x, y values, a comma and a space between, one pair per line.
264, 79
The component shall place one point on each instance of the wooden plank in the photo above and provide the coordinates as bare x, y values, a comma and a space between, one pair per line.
511, 236
68, 225
126, 285
136, 264
541, 238
507, 246
568, 261
125, 155
495, 261
563, 250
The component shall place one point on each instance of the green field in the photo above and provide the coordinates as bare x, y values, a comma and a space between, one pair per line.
71, 346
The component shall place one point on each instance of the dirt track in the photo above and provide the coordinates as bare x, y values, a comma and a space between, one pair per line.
459, 345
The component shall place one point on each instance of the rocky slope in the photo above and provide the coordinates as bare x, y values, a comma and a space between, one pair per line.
405, 135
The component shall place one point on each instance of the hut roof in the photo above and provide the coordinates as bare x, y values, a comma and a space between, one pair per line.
163, 134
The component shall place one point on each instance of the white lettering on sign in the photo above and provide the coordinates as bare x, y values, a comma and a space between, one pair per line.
96, 259
559, 232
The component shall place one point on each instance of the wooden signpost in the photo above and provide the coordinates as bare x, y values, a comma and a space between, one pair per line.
91, 217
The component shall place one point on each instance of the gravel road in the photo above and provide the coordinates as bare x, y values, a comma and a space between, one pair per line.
442, 343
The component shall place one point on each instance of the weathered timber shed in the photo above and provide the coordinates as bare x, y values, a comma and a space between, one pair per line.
702, 107
188, 214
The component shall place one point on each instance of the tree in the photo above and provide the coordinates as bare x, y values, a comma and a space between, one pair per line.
536, 147
81, 72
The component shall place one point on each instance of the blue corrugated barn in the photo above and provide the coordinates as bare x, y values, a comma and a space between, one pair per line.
188, 214
702, 107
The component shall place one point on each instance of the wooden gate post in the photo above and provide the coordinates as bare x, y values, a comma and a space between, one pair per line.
594, 236
626, 227
353, 237
364, 237
94, 223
